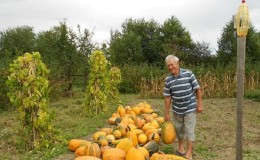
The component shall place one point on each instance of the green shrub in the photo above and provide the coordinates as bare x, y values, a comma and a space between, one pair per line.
253, 94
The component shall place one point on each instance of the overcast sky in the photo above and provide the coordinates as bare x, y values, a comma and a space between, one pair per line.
204, 19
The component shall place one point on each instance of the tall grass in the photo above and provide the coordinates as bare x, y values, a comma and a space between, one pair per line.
216, 82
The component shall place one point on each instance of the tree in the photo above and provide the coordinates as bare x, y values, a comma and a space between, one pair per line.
201, 54
15, 42
227, 45
176, 39
64, 52
147, 42
138, 42
125, 47
85, 47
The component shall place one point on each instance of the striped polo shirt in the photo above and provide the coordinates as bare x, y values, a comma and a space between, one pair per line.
182, 90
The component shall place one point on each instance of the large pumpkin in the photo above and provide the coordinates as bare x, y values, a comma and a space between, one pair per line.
114, 154
168, 134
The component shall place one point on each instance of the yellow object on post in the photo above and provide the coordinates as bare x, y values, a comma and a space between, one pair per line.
242, 20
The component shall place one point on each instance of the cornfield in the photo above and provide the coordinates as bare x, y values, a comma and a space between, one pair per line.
213, 85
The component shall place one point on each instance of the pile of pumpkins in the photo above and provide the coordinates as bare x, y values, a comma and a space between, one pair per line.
135, 134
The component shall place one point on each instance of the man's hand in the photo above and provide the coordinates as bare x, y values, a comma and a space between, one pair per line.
199, 108
167, 116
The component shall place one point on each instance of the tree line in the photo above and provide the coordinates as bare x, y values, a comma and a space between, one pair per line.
139, 42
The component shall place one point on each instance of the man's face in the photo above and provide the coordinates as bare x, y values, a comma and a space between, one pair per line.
173, 67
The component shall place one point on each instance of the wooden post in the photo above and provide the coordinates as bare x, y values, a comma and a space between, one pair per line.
241, 45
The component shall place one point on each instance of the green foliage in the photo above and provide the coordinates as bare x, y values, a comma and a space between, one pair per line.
134, 76
65, 52
176, 39
227, 45
28, 91
201, 55
149, 42
114, 80
139, 42
4, 101
96, 94
101, 91
14, 42
253, 94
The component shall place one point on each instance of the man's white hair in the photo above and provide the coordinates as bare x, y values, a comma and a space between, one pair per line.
171, 57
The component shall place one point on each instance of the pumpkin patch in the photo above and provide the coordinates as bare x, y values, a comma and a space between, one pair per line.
135, 132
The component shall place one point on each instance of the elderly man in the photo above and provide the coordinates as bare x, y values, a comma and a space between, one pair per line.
182, 92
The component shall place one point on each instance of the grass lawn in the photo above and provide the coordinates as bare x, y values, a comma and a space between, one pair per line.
215, 131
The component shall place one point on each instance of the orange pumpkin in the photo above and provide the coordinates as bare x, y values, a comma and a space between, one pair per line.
114, 154
142, 139
138, 122
154, 137
130, 127
137, 110
103, 142
125, 144
168, 133
160, 120
135, 153
81, 151
117, 134
112, 120
133, 137
103, 149
73, 144
93, 149
138, 131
